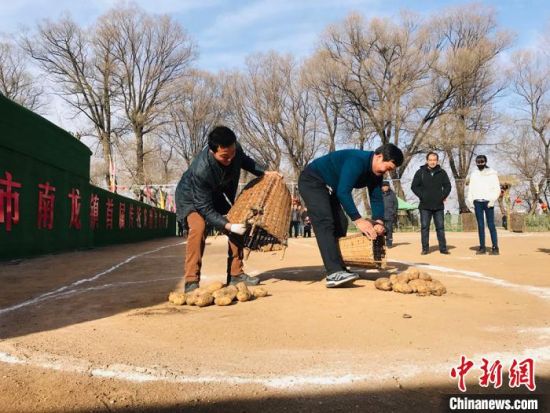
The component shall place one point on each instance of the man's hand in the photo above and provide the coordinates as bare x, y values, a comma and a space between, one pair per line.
239, 229
280, 175
366, 228
379, 227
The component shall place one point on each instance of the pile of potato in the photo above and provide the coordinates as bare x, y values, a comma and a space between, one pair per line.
216, 293
411, 281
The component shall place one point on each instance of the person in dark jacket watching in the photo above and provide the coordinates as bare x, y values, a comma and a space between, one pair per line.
432, 186
390, 211
326, 186
205, 194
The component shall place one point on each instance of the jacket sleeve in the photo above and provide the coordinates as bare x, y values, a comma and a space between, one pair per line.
494, 190
203, 200
469, 192
416, 185
250, 165
349, 174
446, 185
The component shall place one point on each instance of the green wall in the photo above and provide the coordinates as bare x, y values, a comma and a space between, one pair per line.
35, 151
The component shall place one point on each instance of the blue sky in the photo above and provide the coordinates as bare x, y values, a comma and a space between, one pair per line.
227, 31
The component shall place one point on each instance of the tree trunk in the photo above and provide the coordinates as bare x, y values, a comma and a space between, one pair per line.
107, 155
460, 192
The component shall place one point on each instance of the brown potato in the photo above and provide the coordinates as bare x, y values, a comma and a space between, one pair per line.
414, 273
204, 299
425, 276
215, 286
223, 300
177, 297
437, 288
259, 292
400, 287
423, 289
243, 296
383, 284
242, 287
403, 277
393, 278
219, 293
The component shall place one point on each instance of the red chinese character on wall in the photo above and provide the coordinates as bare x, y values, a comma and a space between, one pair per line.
492, 374
138, 216
9, 201
131, 216
46, 202
94, 211
109, 214
522, 374
461, 372
144, 223
121, 215
75, 209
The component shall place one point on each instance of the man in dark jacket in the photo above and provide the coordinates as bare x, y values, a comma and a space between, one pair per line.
326, 186
432, 186
205, 194
390, 211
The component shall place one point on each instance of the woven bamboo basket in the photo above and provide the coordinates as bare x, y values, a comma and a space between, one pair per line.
264, 206
360, 251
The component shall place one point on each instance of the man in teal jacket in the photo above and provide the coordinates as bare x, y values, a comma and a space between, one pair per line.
326, 186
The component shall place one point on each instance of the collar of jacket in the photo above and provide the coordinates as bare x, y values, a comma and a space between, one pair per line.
435, 170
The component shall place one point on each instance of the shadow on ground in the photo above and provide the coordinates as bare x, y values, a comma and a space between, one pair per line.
419, 399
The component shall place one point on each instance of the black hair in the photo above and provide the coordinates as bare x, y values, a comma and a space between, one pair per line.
390, 152
221, 136
481, 158
432, 153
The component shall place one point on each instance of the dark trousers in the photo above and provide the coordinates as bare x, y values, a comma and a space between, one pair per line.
327, 219
307, 231
296, 226
482, 208
388, 224
439, 221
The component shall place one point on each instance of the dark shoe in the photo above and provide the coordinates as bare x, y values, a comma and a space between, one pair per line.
424, 252
340, 278
481, 251
247, 279
191, 286
446, 252
495, 251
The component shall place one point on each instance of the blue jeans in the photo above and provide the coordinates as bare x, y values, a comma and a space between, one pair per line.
482, 209
439, 222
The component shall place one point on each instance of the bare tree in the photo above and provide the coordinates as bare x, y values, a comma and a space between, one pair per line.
531, 82
195, 110
394, 75
473, 45
16, 81
151, 53
80, 64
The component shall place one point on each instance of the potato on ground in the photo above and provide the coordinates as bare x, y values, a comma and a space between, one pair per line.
241, 287
204, 299
393, 278
177, 297
383, 284
215, 286
259, 292
414, 273
223, 300
403, 277
425, 276
193, 295
401, 287
437, 288
243, 296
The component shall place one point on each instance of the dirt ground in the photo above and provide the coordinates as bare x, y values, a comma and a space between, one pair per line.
92, 330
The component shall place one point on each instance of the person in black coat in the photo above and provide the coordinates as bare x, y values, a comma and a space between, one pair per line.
390, 211
205, 194
432, 186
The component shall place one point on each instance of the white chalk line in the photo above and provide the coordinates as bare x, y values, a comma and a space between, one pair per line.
54, 293
541, 292
380, 374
